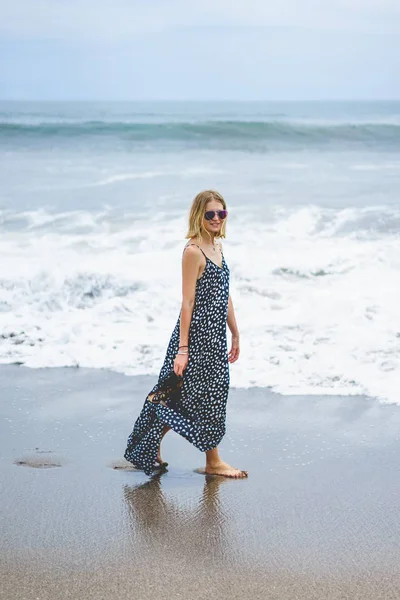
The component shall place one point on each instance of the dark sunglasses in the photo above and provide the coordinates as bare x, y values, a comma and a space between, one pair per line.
210, 214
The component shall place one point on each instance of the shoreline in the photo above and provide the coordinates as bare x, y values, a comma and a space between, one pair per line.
318, 516
151, 377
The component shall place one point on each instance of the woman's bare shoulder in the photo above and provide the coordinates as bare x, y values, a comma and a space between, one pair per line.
192, 251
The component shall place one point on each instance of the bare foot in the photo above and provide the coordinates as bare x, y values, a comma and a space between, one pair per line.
159, 460
225, 470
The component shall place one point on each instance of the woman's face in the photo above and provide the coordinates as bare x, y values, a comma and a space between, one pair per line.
213, 226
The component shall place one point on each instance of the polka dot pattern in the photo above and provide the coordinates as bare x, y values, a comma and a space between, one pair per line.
195, 405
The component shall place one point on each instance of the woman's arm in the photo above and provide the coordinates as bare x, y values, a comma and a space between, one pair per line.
191, 262
234, 352
231, 321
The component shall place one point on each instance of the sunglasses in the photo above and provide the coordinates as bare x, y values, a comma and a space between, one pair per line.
210, 214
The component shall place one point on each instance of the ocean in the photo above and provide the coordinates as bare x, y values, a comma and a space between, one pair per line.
94, 201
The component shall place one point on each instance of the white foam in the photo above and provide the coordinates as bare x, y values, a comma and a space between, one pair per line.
376, 167
318, 309
128, 176
187, 172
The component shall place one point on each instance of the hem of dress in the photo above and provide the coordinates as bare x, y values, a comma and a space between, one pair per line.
166, 415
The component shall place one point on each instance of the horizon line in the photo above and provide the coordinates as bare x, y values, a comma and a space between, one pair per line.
192, 100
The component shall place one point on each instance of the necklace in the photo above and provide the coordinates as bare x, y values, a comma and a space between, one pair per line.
214, 247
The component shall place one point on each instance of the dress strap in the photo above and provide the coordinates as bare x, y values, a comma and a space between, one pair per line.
187, 245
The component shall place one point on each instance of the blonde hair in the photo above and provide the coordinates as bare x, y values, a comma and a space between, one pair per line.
197, 211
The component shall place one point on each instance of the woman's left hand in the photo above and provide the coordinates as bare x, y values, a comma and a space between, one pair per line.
234, 352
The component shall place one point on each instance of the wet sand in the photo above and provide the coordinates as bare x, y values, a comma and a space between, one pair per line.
318, 517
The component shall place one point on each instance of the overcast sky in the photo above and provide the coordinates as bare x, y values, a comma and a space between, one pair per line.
204, 49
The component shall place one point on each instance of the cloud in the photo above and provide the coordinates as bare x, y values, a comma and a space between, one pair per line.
208, 49
104, 20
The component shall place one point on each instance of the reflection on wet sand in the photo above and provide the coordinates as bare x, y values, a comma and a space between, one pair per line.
195, 528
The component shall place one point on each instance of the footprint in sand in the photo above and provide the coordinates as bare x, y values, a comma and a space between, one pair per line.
122, 465
39, 462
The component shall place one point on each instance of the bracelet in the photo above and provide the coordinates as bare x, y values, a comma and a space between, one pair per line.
182, 352
183, 346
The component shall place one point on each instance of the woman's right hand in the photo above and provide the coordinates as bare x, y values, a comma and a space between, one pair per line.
180, 364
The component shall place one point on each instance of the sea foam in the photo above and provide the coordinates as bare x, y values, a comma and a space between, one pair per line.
315, 292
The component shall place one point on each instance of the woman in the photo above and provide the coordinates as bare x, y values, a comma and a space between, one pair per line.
192, 390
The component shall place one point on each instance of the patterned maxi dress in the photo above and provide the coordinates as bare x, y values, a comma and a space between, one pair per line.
195, 405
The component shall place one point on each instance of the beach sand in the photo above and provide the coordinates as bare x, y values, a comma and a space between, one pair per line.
318, 517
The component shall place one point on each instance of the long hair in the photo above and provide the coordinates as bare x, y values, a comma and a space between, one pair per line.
197, 211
